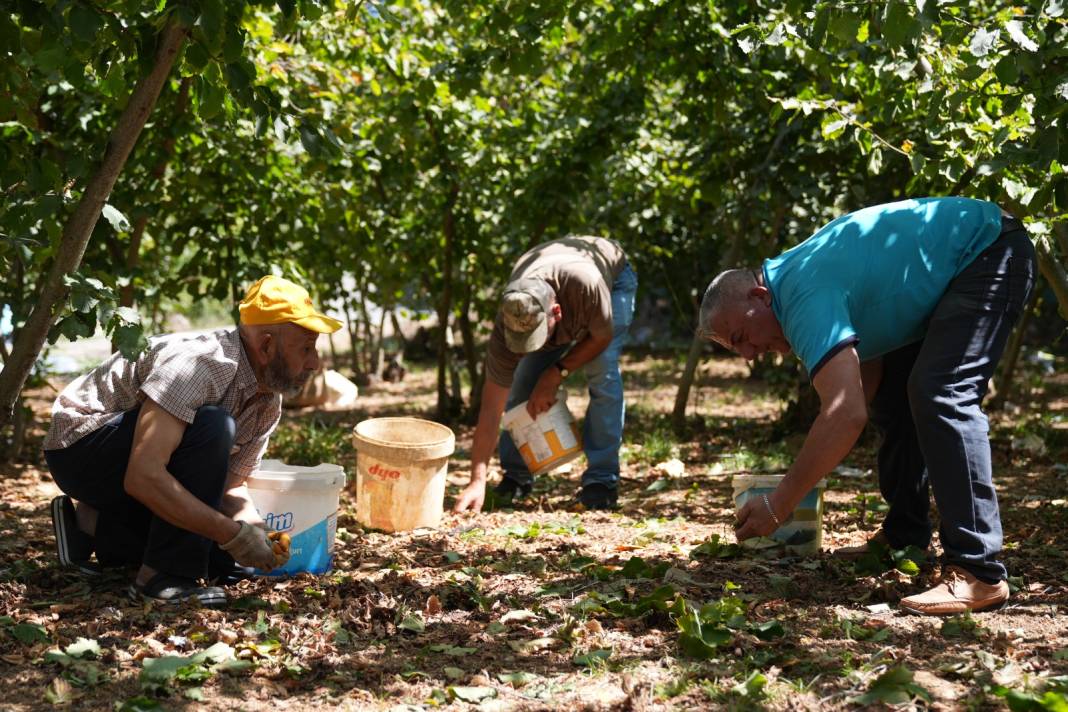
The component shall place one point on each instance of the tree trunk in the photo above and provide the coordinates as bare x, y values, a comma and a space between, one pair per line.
1053, 270
333, 351
682, 395
367, 344
353, 351
1003, 382
446, 405
79, 228
377, 355
402, 343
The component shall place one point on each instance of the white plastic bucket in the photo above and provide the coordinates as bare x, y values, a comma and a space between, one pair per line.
548, 441
302, 501
802, 532
400, 472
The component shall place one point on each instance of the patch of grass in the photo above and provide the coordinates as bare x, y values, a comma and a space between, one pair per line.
772, 458
312, 443
656, 445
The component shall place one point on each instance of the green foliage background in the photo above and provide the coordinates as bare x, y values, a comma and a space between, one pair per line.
406, 153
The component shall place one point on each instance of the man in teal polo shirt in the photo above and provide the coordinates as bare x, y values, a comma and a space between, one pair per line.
906, 308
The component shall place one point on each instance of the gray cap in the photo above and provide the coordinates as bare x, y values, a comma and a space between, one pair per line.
524, 314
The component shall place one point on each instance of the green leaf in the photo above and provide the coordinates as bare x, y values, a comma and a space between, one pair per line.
196, 57
139, 704
51, 58
209, 98
519, 615
983, 42
28, 633
83, 647
592, 658
85, 22
113, 215
659, 485
234, 43
752, 687
900, 27
9, 33
413, 623
819, 26
212, 18
310, 139
1007, 70
60, 692
908, 567
768, 630
516, 679
453, 650
716, 549
844, 26
893, 687
833, 126
875, 161
474, 695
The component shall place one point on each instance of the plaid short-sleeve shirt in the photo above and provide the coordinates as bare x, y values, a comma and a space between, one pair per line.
180, 373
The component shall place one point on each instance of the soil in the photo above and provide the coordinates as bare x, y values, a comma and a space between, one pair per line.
507, 610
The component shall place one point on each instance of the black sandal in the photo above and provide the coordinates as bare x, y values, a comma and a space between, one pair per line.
73, 546
172, 590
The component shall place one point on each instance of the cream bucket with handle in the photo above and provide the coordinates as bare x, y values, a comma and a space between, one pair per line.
400, 472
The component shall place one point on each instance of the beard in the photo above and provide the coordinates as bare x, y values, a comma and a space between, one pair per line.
278, 379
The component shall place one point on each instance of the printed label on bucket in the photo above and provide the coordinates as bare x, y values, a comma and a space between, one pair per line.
544, 442
382, 471
801, 532
311, 551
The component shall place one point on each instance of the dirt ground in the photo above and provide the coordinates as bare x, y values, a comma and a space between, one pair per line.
543, 608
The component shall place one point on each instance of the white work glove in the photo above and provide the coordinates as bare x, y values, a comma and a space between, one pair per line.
251, 548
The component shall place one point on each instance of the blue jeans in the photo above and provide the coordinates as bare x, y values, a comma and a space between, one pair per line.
602, 433
928, 407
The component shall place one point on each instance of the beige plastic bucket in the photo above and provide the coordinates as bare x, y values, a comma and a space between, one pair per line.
802, 533
400, 472
546, 442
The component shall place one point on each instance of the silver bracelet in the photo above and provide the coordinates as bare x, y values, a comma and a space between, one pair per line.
771, 511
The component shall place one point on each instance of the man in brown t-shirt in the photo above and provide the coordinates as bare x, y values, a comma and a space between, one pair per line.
567, 305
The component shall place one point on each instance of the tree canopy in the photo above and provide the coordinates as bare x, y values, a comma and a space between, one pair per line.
406, 153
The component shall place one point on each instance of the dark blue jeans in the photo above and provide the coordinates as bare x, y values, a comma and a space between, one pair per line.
92, 471
928, 407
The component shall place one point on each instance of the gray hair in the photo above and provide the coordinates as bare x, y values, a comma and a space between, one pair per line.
727, 288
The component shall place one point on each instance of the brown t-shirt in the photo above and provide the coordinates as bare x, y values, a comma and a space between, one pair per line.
581, 271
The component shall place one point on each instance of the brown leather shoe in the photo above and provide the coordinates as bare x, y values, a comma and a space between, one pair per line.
957, 592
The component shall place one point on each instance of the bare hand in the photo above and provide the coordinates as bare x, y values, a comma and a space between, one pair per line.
754, 519
544, 394
472, 497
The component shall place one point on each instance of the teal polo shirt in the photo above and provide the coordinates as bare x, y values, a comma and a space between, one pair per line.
873, 278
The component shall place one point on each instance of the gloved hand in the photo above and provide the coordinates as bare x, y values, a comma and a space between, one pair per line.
251, 548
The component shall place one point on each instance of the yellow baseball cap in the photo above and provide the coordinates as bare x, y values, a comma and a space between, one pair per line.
274, 300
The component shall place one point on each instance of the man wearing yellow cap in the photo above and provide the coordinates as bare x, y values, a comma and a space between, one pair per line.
152, 454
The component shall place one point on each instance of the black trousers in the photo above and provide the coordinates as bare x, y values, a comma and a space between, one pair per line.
928, 407
92, 471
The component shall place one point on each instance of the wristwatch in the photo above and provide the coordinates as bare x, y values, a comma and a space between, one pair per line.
564, 371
